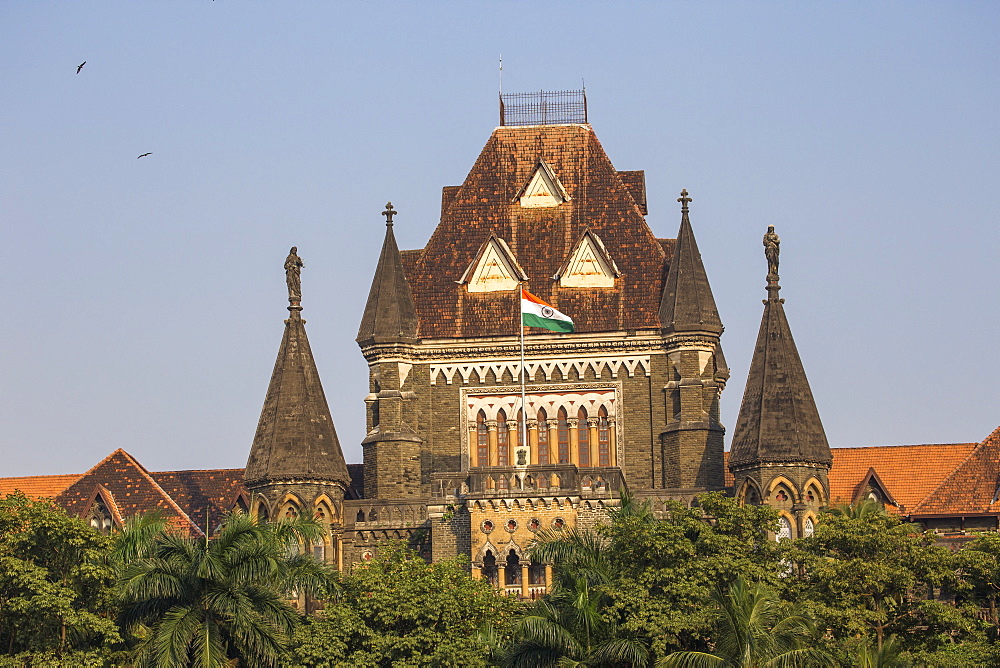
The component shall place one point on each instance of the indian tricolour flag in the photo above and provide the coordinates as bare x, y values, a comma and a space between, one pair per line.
536, 313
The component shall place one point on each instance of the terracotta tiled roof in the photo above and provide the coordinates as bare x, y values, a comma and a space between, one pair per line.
601, 198
972, 487
131, 487
909, 472
217, 490
38, 486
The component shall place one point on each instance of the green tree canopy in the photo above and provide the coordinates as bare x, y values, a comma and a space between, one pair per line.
398, 610
55, 584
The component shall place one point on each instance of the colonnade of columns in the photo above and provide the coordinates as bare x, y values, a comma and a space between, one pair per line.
525, 583
500, 447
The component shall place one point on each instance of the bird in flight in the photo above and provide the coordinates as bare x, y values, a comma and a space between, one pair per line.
80, 66
144, 155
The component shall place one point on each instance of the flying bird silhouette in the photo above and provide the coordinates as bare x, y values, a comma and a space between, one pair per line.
144, 155
80, 66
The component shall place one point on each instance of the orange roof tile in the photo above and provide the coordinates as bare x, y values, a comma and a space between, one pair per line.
38, 486
972, 487
909, 472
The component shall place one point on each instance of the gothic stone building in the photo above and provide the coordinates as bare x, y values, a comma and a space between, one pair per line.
455, 464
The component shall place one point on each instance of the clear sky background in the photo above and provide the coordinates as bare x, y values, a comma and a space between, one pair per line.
143, 299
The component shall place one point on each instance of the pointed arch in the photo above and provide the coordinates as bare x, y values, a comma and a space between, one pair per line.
562, 433
503, 439
781, 481
482, 440
816, 486
749, 492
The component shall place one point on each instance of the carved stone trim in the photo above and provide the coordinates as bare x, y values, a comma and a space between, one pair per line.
596, 367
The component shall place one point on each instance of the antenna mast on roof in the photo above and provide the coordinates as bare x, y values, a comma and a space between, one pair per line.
501, 73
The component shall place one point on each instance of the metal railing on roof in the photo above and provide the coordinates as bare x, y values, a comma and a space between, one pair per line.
543, 108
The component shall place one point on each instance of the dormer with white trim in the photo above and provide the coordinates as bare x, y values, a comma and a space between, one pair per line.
589, 265
543, 190
494, 268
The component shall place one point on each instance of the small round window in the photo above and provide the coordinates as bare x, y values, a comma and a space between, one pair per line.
486, 526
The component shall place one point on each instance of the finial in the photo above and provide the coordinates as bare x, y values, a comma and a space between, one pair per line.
389, 213
772, 243
684, 200
293, 279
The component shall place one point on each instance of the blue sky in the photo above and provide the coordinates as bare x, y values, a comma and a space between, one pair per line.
144, 299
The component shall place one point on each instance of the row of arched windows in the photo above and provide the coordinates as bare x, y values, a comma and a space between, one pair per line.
582, 439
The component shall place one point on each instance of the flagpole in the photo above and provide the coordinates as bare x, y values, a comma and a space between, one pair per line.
524, 404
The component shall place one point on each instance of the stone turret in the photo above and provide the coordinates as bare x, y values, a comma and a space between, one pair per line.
296, 465
780, 454
392, 449
692, 438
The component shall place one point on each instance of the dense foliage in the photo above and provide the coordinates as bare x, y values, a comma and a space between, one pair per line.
56, 587
398, 610
687, 586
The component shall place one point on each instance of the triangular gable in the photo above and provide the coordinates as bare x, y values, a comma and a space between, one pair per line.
971, 488
108, 499
132, 487
873, 481
543, 190
494, 268
589, 265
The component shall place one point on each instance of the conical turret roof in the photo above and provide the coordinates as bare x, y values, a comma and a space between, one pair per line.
687, 304
778, 419
389, 314
296, 438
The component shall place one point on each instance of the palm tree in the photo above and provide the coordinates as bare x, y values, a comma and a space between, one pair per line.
889, 655
570, 628
753, 633
572, 625
192, 601
859, 510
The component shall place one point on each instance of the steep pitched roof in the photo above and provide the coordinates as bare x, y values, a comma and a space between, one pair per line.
909, 472
389, 314
778, 420
37, 486
131, 488
687, 304
972, 488
600, 198
295, 438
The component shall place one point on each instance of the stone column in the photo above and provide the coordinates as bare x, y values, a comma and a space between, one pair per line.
612, 442
574, 441
492, 426
525, 588
595, 442
501, 576
533, 440
474, 446
553, 440
477, 572
548, 578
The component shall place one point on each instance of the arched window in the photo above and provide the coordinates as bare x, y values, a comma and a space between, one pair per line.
490, 567
543, 437
583, 437
562, 430
603, 438
807, 528
513, 570
503, 440
784, 529
482, 440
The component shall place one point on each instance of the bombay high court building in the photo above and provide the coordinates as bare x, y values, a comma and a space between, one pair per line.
456, 462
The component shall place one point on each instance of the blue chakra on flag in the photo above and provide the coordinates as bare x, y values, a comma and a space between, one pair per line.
548, 312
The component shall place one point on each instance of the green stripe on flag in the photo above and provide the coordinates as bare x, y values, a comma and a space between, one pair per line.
532, 320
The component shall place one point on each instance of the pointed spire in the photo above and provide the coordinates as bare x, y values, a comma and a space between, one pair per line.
389, 314
778, 419
295, 438
687, 304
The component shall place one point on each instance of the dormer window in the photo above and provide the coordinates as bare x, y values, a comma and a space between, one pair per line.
543, 190
494, 268
589, 265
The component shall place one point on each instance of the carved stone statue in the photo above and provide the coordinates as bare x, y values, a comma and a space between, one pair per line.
293, 271
771, 250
